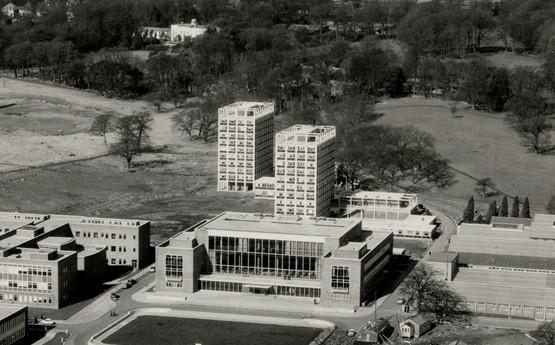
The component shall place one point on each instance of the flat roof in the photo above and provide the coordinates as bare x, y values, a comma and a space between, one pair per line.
505, 287
513, 261
12, 224
55, 241
412, 222
475, 238
353, 246
9, 309
374, 238
280, 224
512, 220
443, 257
266, 179
383, 196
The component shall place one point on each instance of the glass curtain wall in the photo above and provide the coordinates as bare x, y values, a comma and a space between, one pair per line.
273, 258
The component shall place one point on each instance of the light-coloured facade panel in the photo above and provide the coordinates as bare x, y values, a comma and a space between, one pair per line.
305, 170
245, 142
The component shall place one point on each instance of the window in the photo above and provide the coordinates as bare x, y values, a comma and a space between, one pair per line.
113, 236
113, 261
340, 278
95, 235
77, 233
174, 267
113, 248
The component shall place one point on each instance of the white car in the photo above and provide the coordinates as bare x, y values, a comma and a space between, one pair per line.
47, 322
401, 300
351, 333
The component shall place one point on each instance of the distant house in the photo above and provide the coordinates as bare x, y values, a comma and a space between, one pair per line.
179, 32
415, 327
11, 10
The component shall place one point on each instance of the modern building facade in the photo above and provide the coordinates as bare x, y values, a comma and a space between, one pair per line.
319, 258
305, 170
13, 323
245, 144
43, 261
393, 212
265, 188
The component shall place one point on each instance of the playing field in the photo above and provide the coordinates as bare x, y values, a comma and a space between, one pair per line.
479, 145
156, 330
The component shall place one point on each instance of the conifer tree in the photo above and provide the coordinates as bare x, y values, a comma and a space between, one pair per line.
492, 211
468, 215
515, 210
525, 212
504, 210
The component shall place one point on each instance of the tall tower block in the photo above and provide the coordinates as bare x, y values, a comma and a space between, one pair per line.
305, 170
245, 144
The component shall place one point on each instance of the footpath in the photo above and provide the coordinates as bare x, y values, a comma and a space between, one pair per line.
300, 306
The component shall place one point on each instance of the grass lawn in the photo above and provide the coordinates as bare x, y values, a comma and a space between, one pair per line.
479, 145
156, 330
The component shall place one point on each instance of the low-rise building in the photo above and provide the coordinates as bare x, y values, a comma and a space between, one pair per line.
43, 257
393, 212
162, 34
415, 327
13, 323
447, 263
308, 257
506, 267
179, 32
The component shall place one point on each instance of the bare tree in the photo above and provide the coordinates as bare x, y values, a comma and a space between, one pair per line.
142, 127
102, 124
546, 333
126, 144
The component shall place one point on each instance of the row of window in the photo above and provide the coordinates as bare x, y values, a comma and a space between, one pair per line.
27, 299
12, 329
273, 290
121, 249
252, 245
13, 269
113, 236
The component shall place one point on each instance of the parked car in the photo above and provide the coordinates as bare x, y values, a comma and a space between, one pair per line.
47, 322
351, 333
126, 285
131, 281
152, 269
401, 300
114, 296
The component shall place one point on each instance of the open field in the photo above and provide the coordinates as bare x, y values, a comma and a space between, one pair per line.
154, 330
174, 186
479, 145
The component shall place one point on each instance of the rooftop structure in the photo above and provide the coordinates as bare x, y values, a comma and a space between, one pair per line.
305, 134
305, 170
245, 141
291, 256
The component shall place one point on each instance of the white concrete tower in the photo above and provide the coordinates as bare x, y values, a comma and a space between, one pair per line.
245, 144
305, 170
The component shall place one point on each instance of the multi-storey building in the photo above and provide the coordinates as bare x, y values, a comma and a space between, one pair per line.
13, 323
245, 144
43, 257
328, 259
305, 170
